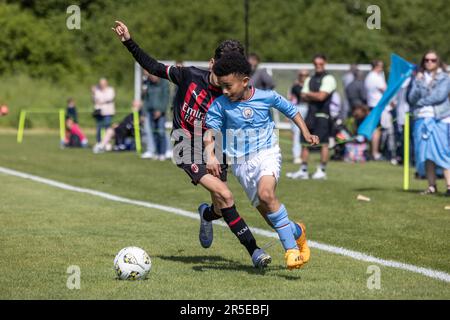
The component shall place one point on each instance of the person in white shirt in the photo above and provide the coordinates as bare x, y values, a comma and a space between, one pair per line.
294, 95
375, 84
103, 96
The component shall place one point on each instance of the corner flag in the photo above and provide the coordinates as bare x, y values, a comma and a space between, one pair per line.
400, 71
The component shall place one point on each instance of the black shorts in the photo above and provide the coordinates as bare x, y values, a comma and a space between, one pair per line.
197, 171
319, 126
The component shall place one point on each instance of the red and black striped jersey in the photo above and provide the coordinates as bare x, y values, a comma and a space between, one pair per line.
195, 93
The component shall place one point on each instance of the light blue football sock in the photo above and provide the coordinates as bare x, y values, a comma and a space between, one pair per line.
296, 230
282, 226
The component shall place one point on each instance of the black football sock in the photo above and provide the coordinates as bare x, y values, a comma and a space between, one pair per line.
241, 230
210, 215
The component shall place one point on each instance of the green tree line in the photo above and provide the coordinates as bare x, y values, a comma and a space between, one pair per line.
42, 62
36, 41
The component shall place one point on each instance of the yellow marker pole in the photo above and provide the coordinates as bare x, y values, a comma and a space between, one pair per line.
21, 127
62, 125
406, 153
137, 132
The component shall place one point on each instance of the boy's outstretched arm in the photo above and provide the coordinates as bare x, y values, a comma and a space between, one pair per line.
291, 112
300, 123
147, 62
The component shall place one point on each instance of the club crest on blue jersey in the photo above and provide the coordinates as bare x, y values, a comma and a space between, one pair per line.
247, 113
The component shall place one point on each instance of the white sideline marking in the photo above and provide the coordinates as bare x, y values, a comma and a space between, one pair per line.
435, 274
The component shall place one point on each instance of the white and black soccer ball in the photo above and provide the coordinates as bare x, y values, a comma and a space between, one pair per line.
132, 263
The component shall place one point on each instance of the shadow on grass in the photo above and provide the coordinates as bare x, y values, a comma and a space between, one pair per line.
413, 191
203, 263
369, 189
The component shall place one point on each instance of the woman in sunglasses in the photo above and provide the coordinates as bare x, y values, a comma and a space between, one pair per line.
429, 98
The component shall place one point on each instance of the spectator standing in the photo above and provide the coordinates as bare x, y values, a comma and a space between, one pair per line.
336, 116
375, 84
429, 99
148, 123
402, 107
348, 78
104, 108
350, 75
355, 92
296, 99
156, 101
317, 92
260, 78
387, 141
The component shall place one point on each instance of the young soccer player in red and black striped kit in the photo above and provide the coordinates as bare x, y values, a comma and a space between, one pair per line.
197, 89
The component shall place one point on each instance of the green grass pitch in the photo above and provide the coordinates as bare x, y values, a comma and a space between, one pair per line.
44, 230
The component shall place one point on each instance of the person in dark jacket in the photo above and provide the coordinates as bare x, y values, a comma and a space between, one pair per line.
156, 100
260, 78
356, 92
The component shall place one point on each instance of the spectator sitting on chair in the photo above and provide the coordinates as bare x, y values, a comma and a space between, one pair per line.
120, 132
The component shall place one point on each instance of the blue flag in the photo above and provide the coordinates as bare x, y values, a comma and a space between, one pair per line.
400, 71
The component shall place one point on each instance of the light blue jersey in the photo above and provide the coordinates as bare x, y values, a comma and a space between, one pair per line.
247, 125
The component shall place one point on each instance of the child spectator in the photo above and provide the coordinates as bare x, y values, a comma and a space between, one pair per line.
71, 110
74, 136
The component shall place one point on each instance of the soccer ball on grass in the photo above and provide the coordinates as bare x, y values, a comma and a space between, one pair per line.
132, 263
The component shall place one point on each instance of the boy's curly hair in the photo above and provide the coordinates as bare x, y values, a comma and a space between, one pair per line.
228, 46
232, 63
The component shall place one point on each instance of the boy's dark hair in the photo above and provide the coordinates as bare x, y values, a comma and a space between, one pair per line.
320, 56
228, 46
232, 63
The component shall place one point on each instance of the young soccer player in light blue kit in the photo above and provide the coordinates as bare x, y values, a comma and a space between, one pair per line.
241, 119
